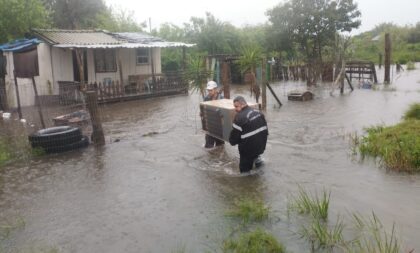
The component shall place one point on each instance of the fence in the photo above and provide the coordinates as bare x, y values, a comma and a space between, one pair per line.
139, 86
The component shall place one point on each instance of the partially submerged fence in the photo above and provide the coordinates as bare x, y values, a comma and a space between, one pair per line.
139, 86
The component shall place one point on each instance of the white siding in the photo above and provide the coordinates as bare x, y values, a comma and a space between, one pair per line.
128, 64
62, 66
44, 82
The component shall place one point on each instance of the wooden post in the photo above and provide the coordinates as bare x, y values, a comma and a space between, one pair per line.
98, 137
153, 67
387, 78
225, 79
263, 84
17, 96
3, 95
38, 103
274, 94
380, 60
184, 60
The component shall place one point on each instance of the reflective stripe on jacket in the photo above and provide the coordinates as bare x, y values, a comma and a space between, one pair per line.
249, 131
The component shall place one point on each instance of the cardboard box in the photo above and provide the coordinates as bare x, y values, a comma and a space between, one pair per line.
217, 117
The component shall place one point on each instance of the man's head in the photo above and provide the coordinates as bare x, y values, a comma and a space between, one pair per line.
211, 88
239, 102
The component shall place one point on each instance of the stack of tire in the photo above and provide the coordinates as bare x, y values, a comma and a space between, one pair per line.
58, 139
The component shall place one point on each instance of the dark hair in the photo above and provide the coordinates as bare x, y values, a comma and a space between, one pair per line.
240, 99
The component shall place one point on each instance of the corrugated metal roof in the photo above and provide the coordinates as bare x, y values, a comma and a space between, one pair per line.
76, 37
101, 39
137, 37
164, 44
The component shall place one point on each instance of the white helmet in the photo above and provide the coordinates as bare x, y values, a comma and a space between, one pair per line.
211, 85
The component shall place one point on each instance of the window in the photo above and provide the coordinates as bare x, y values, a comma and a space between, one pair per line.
105, 60
142, 56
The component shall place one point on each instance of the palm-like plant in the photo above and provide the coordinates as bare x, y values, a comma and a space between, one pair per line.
196, 74
248, 62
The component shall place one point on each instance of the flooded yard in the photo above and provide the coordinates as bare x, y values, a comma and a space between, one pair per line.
153, 187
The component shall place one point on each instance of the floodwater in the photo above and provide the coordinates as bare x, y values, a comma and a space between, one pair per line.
153, 188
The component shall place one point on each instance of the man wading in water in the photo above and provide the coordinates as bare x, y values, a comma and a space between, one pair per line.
249, 131
212, 94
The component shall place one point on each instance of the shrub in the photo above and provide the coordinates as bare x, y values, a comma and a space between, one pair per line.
397, 146
413, 112
249, 210
253, 242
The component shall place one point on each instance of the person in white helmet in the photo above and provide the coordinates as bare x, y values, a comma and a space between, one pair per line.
212, 94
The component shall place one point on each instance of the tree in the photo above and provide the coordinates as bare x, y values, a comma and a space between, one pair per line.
75, 14
312, 25
118, 20
17, 17
212, 35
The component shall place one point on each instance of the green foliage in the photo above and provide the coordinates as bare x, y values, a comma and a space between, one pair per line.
397, 146
312, 24
5, 155
8, 227
253, 242
321, 236
118, 20
411, 65
413, 112
372, 237
196, 73
17, 17
75, 14
405, 48
315, 206
212, 35
250, 58
249, 210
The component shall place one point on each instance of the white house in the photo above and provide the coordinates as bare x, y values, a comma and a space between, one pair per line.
106, 57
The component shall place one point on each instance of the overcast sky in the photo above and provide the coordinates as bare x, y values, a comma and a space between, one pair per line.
240, 12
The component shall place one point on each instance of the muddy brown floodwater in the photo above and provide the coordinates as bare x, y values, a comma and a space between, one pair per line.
157, 188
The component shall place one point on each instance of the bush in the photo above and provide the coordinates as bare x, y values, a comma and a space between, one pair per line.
411, 65
413, 112
5, 155
397, 146
253, 242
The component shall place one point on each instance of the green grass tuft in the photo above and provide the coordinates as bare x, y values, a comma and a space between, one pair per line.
372, 237
257, 241
413, 112
321, 236
249, 210
397, 146
313, 205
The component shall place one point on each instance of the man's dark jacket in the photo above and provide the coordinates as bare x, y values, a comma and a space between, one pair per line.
249, 131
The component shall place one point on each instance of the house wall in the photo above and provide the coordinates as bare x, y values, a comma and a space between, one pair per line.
44, 82
62, 66
56, 64
127, 57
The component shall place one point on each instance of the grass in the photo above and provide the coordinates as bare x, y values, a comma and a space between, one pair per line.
315, 206
413, 112
257, 241
372, 236
249, 210
411, 65
321, 236
7, 228
5, 155
397, 146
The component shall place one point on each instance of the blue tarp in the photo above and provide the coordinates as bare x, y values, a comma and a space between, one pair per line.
19, 45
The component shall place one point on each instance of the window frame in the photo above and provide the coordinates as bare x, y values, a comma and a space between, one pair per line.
103, 55
144, 56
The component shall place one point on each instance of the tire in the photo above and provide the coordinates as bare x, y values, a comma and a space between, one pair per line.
55, 136
81, 143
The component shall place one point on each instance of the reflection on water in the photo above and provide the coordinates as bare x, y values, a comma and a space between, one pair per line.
157, 188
